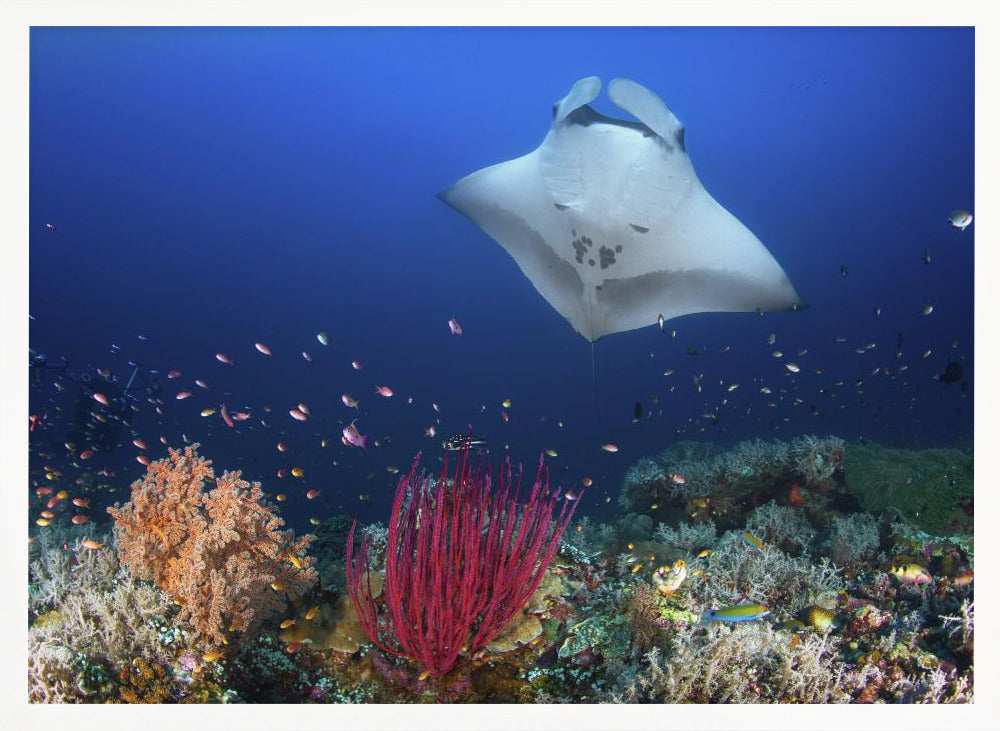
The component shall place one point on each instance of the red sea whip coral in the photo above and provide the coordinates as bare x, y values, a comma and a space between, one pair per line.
463, 558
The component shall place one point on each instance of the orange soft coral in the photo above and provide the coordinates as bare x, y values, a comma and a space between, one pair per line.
220, 554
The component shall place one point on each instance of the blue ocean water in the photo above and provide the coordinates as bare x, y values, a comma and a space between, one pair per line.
213, 188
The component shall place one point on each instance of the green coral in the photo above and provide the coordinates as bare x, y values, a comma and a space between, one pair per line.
928, 487
606, 636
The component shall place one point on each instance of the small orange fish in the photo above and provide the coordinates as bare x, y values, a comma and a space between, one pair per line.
282, 472
963, 579
609, 448
384, 391
297, 415
143, 460
282, 447
224, 413
101, 399
200, 383
795, 497
304, 409
212, 656
356, 364
287, 623
81, 502
308, 358
42, 491
241, 416
676, 479
174, 374
139, 443
87, 454
43, 521
262, 348
163, 440
294, 646
223, 358
586, 482
47, 514
312, 612
181, 395
281, 497
79, 519
312, 494
91, 544
298, 472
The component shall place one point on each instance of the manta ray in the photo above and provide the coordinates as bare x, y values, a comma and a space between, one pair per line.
609, 221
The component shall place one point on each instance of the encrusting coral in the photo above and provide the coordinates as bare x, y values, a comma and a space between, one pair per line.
220, 554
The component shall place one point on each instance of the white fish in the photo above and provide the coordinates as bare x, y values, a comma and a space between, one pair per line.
960, 219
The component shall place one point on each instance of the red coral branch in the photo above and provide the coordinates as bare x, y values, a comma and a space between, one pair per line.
462, 560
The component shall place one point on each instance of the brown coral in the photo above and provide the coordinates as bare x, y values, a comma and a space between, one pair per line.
220, 554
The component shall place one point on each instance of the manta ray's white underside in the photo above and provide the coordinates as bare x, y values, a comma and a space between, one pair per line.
610, 223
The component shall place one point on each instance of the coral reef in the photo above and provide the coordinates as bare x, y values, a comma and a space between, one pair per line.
744, 664
931, 488
815, 600
852, 538
690, 539
783, 526
711, 483
219, 554
102, 620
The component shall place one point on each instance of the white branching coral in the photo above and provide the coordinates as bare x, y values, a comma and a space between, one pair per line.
785, 527
686, 537
817, 459
743, 664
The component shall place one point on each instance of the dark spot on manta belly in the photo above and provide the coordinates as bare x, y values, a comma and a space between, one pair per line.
607, 257
581, 245
561, 207
640, 229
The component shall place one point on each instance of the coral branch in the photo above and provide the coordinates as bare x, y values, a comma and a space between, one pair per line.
463, 559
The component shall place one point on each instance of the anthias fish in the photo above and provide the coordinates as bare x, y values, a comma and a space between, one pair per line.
459, 442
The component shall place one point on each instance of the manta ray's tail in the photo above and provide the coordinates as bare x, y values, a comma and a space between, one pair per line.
593, 377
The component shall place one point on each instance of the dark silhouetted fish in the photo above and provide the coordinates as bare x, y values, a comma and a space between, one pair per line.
953, 372
463, 441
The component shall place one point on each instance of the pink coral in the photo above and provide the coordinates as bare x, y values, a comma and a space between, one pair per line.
219, 554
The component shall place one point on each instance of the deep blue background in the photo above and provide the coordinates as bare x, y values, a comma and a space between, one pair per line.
212, 188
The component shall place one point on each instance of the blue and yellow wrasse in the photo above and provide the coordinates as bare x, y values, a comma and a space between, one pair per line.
753, 540
738, 613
